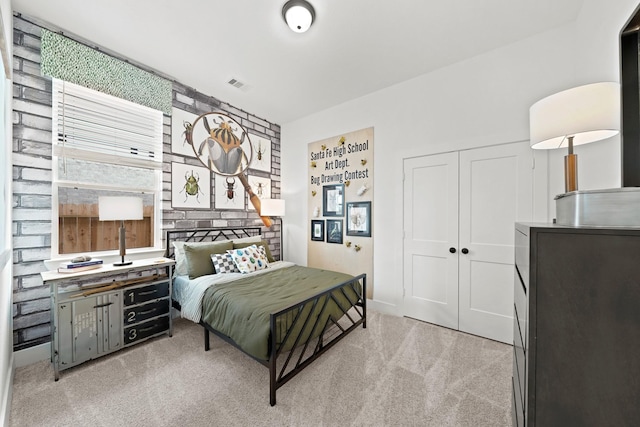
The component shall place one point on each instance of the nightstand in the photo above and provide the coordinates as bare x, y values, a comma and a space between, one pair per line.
99, 311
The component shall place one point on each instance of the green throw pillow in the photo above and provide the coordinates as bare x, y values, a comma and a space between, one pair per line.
262, 243
198, 257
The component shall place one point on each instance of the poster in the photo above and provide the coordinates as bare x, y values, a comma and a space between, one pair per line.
340, 196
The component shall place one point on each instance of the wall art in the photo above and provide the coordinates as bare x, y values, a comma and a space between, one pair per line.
359, 219
261, 153
221, 143
229, 193
317, 230
330, 164
190, 186
334, 231
260, 186
333, 200
179, 120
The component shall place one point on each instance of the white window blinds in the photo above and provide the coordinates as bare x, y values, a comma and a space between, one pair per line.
91, 125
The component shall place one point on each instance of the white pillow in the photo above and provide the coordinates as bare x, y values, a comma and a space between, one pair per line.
249, 259
181, 268
250, 239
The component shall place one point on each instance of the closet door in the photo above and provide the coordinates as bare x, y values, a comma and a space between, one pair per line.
430, 230
496, 187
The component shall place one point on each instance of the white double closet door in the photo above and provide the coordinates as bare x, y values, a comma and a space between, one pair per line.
459, 214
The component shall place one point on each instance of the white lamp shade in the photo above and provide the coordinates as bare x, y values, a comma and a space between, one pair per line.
119, 208
298, 15
272, 207
588, 113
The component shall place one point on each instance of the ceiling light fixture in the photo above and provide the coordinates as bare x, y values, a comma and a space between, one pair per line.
298, 14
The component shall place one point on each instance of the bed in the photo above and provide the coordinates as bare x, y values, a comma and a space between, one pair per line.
283, 315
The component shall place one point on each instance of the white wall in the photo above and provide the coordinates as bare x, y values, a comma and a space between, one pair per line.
482, 101
6, 260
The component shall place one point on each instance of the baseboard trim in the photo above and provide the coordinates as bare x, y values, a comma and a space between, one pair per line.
32, 355
383, 307
5, 409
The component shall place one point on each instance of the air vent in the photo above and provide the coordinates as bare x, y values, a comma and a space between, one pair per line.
236, 83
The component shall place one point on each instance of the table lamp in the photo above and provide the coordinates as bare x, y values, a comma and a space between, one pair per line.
274, 208
573, 117
120, 209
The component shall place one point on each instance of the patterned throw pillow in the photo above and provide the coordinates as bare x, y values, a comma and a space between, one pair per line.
249, 259
223, 263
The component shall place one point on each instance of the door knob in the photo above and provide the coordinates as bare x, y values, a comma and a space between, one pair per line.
452, 250
465, 251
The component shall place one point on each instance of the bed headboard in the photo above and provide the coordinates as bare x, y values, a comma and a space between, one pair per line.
208, 235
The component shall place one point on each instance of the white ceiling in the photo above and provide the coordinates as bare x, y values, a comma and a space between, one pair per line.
353, 48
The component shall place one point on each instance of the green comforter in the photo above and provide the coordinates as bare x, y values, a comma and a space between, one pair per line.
241, 309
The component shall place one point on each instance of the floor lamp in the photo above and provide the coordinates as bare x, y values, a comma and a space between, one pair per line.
120, 209
274, 208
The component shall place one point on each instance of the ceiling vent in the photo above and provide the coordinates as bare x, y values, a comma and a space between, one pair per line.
236, 83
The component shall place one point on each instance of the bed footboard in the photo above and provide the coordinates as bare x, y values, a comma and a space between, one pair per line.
326, 330
307, 330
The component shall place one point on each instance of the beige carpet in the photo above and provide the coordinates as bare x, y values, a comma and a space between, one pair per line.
397, 372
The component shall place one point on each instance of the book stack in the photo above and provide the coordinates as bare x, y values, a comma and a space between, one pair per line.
76, 267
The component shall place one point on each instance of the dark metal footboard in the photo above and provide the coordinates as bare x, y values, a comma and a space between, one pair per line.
329, 333
297, 349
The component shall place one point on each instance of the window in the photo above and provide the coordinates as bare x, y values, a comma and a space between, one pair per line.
103, 146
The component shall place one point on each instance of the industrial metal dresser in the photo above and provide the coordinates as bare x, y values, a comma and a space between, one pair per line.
97, 312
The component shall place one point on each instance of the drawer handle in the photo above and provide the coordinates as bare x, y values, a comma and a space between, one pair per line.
147, 329
148, 292
147, 312
102, 305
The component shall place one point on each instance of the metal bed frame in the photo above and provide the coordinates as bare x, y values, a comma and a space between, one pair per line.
284, 364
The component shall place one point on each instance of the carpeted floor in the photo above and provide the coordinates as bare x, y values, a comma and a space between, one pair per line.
397, 372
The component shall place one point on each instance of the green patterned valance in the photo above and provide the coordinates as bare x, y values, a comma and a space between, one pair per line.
73, 62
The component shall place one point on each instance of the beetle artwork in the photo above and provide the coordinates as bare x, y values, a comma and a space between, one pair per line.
191, 186
259, 189
225, 153
187, 131
260, 151
231, 184
222, 150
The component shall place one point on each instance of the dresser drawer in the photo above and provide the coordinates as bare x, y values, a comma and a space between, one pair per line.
522, 256
517, 415
521, 312
146, 311
145, 330
519, 367
146, 293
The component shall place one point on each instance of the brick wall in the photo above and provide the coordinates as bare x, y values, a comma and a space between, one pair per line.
32, 163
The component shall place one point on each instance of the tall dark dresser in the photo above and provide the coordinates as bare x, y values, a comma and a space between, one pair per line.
576, 326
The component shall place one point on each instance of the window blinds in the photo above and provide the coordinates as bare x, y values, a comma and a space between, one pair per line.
91, 125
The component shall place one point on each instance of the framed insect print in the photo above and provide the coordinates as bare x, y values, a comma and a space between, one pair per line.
179, 120
333, 200
334, 231
190, 186
359, 219
260, 186
220, 143
229, 193
261, 153
317, 230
